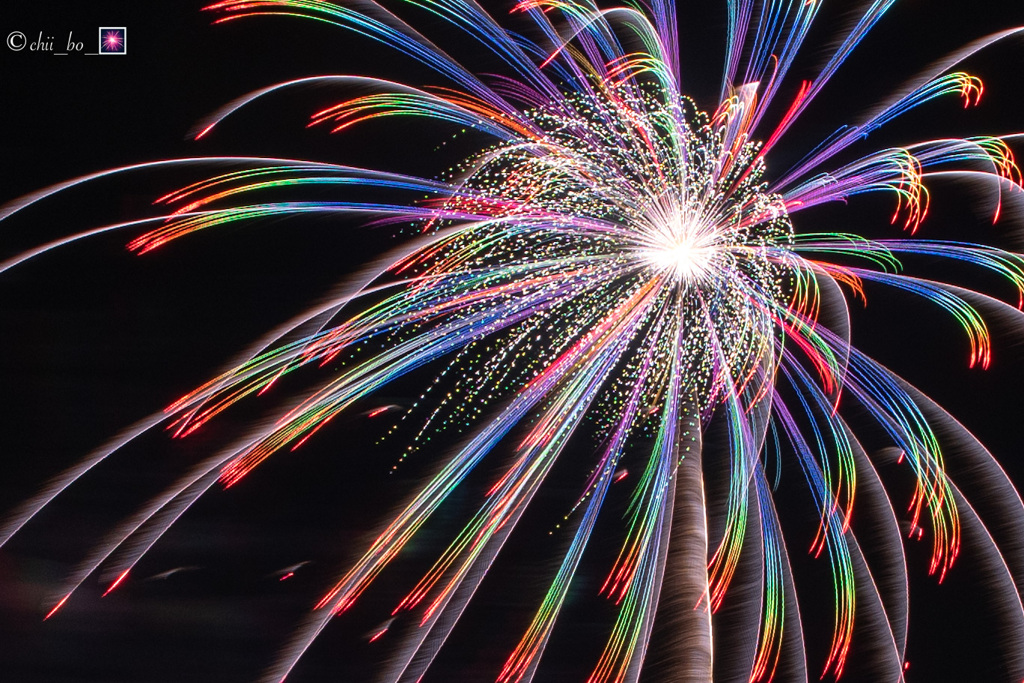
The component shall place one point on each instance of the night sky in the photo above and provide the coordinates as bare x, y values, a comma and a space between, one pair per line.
94, 339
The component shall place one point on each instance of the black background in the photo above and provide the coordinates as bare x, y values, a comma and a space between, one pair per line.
93, 338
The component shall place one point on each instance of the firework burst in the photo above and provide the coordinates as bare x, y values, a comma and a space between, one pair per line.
616, 273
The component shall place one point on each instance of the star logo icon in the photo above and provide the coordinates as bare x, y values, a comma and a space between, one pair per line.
113, 40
